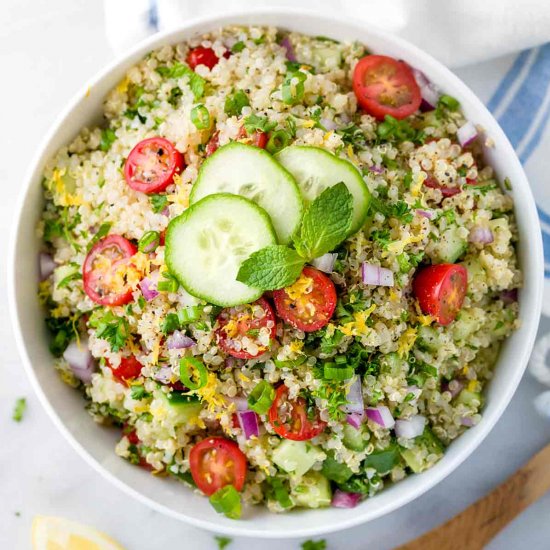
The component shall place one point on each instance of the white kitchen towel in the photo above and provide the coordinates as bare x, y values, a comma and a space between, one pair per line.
457, 32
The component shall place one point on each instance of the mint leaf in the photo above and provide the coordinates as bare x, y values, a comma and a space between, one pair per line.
272, 267
326, 222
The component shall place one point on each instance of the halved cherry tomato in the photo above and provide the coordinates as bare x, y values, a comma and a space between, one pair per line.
440, 290
128, 369
216, 462
386, 86
106, 271
241, 329
289, 417
202, 56
213, 144
152, 165
258, 138
446, 190
309, 303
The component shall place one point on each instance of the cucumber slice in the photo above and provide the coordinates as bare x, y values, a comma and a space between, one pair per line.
206, 245
252, 173
312, 491
316, 169
451, 246
353, 438
184, 408
296, 457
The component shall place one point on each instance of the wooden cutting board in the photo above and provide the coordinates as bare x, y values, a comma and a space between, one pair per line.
474, 528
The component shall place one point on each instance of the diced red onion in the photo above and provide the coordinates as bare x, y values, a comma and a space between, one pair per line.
429, 214
454, 387
355, 419
325, 262
509, 296
376, 169
355, 398
165, 211
163, 375
248, 420
179, 340
80, 360
410, 428
428, 91
47, 265
376, 275
341, 499
148, 286
481, 235
241, 403
466, 134
381, 415
467, 421
328, 123
287, 45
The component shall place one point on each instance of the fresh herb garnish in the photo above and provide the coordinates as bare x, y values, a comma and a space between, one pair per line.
293, 87
354, 136
254, 123
158, 202
178, 70
324, 226
235, 103
74, 276
392, 129
238, 47
115, 330
63, 330
314, 545
108, 137
137, 391
19, 409
224, 541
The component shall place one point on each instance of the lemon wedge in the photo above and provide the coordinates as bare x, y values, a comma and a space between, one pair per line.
51, 533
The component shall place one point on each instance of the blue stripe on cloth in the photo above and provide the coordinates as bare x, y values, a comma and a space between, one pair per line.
519, 115
535, 140
153, 15
543, 215
508, 80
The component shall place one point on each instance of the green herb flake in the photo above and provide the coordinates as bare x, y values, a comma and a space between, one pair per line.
238, 47
108, 137
235, 103
115, 330
19, 409
223, 542
314, 545
254, 123
103, 231
158, 202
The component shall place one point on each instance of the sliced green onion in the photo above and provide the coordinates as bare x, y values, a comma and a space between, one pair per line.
291, 363
449, 101
149, 242
261, 397
340, 359
227, 501
190, 366
293, 88
277, 140
332, 372
171, 284
200, 117
189, 314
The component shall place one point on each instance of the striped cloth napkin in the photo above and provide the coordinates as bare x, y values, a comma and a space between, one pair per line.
501, 48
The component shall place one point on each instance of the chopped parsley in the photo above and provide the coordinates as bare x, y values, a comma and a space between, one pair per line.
108, 137
253, 123
137, 391
63, 330
235, 103
223, 541
392, 129
178, 70
314, 545
115, 330
382, 237
19, 409
354, 136
400, 209
158, 202
238, 47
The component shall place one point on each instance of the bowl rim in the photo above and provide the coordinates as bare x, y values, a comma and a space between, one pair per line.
447, 464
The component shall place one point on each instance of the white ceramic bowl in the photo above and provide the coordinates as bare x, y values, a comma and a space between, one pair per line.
96, 444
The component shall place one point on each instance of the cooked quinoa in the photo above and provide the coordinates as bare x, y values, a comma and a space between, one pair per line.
407, 362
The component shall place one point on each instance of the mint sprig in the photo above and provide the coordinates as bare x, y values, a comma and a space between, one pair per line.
325, 224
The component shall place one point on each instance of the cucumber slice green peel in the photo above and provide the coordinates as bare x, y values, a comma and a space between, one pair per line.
253, 173
316, 169
206, 245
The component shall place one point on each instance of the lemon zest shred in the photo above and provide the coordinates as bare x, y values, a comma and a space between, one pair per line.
406, 341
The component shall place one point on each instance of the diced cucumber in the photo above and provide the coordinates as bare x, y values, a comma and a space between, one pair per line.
334, 470
467, 323
383, 460
206, 245
428, 338
392, 364
251, 172
296, 457
450, 246
476, 272
316, 169
184, 408
326, 57
312, 491
353, 438
424, 445
469, 398
63, 271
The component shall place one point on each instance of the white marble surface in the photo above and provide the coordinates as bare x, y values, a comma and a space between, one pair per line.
47, 48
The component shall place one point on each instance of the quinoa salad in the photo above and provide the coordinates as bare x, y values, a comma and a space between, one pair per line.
280, 269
